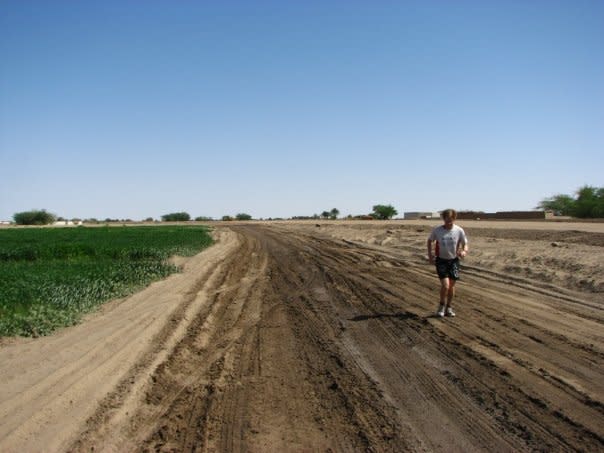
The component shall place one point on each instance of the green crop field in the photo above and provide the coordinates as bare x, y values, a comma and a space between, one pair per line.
50, 277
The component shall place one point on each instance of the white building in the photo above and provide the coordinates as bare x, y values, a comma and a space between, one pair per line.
421, 215
67, 223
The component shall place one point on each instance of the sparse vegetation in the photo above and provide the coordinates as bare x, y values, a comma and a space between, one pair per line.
332, 215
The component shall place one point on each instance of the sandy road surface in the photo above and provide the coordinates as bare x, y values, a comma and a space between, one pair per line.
304, 338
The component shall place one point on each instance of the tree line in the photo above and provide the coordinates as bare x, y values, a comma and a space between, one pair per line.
43, 217
380, 212
587, 202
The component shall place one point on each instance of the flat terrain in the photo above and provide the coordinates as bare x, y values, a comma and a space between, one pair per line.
307, 336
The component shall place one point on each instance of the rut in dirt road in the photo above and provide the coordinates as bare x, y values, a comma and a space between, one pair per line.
307, 343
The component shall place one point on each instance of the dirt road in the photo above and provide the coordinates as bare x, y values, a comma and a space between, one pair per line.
281, 338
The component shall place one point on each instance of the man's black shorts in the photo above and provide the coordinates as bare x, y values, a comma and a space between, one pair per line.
447, 268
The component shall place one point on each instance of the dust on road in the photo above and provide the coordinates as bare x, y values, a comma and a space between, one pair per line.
291, 339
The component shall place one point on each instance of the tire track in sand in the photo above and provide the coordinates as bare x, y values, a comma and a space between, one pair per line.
293, 341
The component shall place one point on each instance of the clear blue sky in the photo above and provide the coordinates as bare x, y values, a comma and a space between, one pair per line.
134, 109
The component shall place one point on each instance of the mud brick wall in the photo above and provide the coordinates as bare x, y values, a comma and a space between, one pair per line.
505, 215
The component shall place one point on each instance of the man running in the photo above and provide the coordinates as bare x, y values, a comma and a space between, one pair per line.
451, 244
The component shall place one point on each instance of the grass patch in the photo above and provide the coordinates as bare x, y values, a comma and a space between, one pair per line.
52, 276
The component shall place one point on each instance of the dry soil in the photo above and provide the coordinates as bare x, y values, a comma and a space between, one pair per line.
322, 337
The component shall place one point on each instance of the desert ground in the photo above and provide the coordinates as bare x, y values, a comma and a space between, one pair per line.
321, 336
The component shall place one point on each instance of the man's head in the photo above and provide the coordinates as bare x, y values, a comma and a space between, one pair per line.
449, 216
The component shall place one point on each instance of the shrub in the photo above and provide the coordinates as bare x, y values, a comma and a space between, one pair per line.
176, 217
34, 217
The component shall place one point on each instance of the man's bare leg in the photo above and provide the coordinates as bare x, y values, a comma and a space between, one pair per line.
450, 292
444, 290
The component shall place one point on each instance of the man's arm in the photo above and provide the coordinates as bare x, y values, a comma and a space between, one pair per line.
462, 247
430, 254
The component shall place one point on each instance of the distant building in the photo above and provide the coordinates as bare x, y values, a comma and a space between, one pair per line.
67, 223
505, 215
480, 215
421, 215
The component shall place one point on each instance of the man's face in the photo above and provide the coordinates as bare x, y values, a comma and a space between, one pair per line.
448, 222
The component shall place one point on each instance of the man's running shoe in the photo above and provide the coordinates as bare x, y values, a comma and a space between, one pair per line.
441, 310
449, 312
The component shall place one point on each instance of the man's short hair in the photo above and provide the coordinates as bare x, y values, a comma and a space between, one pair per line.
449, 213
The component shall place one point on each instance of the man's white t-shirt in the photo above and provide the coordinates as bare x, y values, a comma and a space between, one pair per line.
448, 240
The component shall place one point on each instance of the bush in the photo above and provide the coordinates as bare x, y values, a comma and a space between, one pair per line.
243, 216
34, 217
176, 217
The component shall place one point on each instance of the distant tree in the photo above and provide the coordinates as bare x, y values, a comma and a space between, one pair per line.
203, 219
588, 203
325, 215
243, 216
149, 219
34, 217
599, 208
383, 212
176, 217
560, 204
334, 213
226, 218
